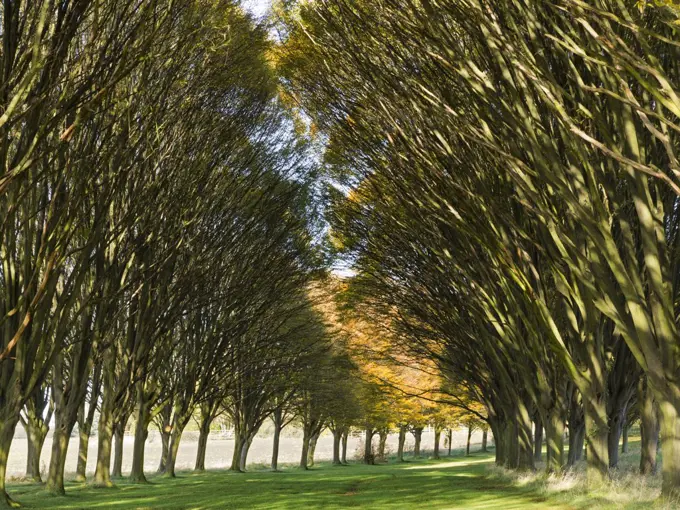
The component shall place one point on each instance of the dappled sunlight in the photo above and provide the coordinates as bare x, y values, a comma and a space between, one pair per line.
449, 465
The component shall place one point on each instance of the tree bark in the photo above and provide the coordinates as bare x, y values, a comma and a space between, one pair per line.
449, 434
555, 442
597, 433
400, 445
36, 433
203, 433
368, 447
418, 435
624, 442
238, 445
173, 448
649, 429
343, 458
55, 475
485, 439
670, 448
382, 442
337, 438
614, 436
243, 458
7, 427
312, 449
467, 445
437, 437
275, 449
165, 445
102, 474
538, 440
141, 432
119, 435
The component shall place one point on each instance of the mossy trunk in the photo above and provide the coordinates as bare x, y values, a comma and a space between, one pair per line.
165, 444
525, 438
7, 427
203, 434
119, 437
173, 448
275, 448
236, 457
624, 438
36, 432
538, 440
55, 475
313, 440
670, 449
102, 474
245, 448
649, 429
141, 432
597, 434
83, 444
616, 421
554, 432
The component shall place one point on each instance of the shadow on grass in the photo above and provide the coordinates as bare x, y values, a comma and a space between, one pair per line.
454, 482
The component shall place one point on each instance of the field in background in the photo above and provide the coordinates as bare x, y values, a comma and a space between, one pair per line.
219, 451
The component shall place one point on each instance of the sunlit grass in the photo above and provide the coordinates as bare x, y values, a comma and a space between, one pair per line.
450, 483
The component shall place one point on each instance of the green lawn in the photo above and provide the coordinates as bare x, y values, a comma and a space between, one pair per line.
457, 482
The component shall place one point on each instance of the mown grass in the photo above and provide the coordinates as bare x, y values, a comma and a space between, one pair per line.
455, 482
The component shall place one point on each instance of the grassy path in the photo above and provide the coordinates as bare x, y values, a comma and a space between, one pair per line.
449, 483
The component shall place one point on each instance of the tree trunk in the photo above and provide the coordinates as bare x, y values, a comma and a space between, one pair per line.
244, 452
312, 449
173, 448
36, 432
337, 437
343, 458
538, 440
275, 449
624, 442
649, 429
119, 434
83, 444
418, 435
670, 448
382, 443
238, 445
165, 445
469, 437
614, 436
597, 433
7, 427
141, 432
305, 447
402, 440
437, 437
554, 432
449, 434
368, 447
203, 433
485, 439
102, 474
525, 438
55, 475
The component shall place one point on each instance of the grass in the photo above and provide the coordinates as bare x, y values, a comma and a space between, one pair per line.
454, 482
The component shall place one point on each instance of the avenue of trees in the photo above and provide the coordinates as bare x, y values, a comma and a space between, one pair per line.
160, 254
507, 188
